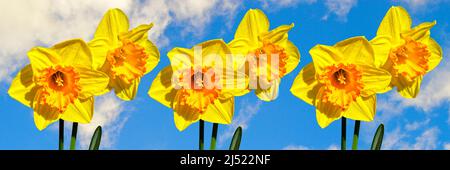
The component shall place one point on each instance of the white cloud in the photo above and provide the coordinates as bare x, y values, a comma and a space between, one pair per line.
392, 139
108, 114
28, 23
296, 147
447, 146
246, 112
197, 13
398, 140
301, 147
427, 140
340, 8
420, 5
333, 147
276, 4
417, 125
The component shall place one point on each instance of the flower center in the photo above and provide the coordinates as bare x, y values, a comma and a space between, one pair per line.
57, 78
275, 65
127, 61
342, 84
60, 86
410, 59
197, 94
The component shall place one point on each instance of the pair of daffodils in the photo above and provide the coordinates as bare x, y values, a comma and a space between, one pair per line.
60, 82
215, 77
343, 79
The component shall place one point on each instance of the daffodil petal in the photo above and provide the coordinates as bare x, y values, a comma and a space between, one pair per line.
363, 108
99, 49
381, 47
80, 111
221, 111
278, 35
181, 58
92, 82
326, 112
214, 53
375, 80
252, 25
184, 115
293, 57
269, 94
436, 54
356, 50
409, 89
74, 53
395, 22
153, 55
182, 121
239, 46
420, 33
234, 83
324, 56
126, 91
239, 49
161, 89
22, 87
42, 58
305, 85
44, 115
138, 34
113, 23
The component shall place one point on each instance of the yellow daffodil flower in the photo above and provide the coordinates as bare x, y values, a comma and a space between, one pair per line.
186, 87
254, 37
407, 53
342, 81
125, 55
59, 83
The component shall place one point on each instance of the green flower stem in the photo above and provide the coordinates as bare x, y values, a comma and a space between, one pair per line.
73, 140
201, 135
61, 134
343, 133
356, 135
214, 136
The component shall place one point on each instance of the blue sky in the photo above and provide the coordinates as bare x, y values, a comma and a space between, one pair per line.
286, 123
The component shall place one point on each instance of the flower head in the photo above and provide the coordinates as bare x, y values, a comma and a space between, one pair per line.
125, 55
342, 81
199, 84
268, 53
407, 53
59, 83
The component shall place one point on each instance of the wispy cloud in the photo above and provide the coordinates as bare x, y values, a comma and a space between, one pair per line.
301, 147
447, 146
246, 112
421, 5
277, 4
296, 147
340, 8
109, 113
28, 23
399, 140
333, 147
417, 125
